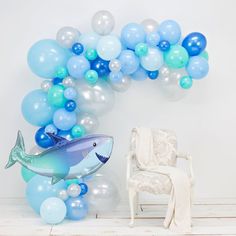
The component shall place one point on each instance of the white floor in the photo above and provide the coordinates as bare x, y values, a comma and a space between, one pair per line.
16, 218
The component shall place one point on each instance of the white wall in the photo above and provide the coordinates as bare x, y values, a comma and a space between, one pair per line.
205, 120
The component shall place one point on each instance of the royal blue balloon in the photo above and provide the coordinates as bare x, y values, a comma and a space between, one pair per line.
153, 74
100, 66
46, 56
77, 66
132, 34
57, 80
65, 134
36, 109
140, 74
164, 45
129, 62
77, 208
194, 43
84, 188
70, 105
40, 188
77, 48
42, 139
197, 67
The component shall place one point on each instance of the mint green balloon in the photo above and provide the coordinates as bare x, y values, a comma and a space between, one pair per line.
186, 82
61, 72
177, 57
78, 131
205, 55
26, 174
91, 54
91, 77
56, 96
141, 49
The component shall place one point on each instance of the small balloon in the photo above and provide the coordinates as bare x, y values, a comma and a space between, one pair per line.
115, 65
46, 85
77, 131
63, 195
149, 25
70, 93
73, 190
84, 188
89, 121
100, 66
42, 139
51, 129
186, 82
120, 84
68, 82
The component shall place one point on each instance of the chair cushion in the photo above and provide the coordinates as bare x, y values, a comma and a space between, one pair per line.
150, 182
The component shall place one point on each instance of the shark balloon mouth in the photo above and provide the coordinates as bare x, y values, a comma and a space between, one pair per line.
102, 158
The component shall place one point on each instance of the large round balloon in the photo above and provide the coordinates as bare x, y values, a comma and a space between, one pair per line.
46, 56
36, 109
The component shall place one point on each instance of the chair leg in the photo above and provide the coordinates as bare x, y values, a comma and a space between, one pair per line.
131, 205
136, 203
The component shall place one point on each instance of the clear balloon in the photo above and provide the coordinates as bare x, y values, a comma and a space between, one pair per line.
120, 84
63, 195
89, 40
149, 25
53, 210
73, 190
36, 109
67, 36
45, 56
68, 82
115, 65
89, 121
46, 85
96, 99
103, 22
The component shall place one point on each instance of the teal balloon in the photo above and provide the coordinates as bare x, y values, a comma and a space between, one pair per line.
39, 188
53, 210
56, 96
46, 56
36, 109
177, 57
27, 174
186, 82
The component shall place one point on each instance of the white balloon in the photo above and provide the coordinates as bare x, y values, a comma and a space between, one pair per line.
115, 65
68, 82
73, 190
46, 85
149, 25
63, 195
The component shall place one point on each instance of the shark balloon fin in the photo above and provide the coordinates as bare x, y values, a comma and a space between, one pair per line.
19, 146
57, 139
56, 179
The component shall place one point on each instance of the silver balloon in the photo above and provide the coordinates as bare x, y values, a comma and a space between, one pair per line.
73, 190
121, 85
67, 36
96, 99
103, 22
149, 25
63, 195
46, 85
103, 195
115, 65
68, 82
89, 121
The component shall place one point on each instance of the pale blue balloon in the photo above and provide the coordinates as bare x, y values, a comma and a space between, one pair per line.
64, 120
170, 31
152, 39
89, 40
39, 188
129, 62
70, 93
36, 109
132, 34
77, 66
46, 56
197, 67
51, 128
140, 74
53, 210
115, 77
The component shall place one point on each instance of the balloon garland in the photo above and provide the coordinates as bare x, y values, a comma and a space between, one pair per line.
81, 73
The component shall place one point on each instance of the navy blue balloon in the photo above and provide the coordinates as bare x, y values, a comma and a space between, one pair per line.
194, 43
101, 67
56, 80
84, 189
153, 74
164, 45
42, 139
77, 48
70, 105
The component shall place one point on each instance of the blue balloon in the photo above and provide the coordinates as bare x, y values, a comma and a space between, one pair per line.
84, 188
36, 109
89, 40
65, 134
57, 80
70, 105
116, 77
70, 93
132, 34
53, 210
77, 208
139, 74
129, 62
170, 30
100, 66
39, 188
77, 48
42, 139
64, 120
77, 66
153, 74
153, 39
194, 43
45, 56
51, 129
197, 67
164, 45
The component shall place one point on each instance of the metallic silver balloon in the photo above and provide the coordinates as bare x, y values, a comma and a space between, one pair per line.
115, 65
69, 82
96, 99
103, 22
88, 120
73, 190
149, 25
121, 85
103, 195
63, 195
46, 85
67, 36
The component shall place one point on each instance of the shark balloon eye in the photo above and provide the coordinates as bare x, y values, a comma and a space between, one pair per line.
94, 144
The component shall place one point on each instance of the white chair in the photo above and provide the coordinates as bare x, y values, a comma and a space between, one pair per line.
165, 151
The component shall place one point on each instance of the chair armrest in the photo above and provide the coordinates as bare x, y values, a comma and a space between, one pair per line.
129, 158
189, 159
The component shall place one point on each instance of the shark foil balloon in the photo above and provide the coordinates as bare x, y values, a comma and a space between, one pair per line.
67, 159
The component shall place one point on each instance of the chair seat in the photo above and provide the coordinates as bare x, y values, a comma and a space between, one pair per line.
150, 182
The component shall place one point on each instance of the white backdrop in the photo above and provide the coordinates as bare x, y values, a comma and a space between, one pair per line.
205, 120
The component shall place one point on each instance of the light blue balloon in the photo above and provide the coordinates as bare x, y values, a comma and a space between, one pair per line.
46, 56
64, 120
70, 93
89, 40
36, 109
39, 188
53, 210
139, 74
129, 62
132, 34
77, 66
51, 128
170, 30
115, 77
152, 39
197, 67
